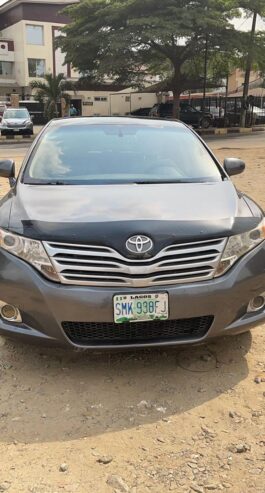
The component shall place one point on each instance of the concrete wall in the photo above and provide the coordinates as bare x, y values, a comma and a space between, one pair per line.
237, 78
126, 102
112, 104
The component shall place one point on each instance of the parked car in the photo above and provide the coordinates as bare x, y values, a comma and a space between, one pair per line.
3, 107
16, 121
188, 114
232, 115
125, 232
141, 112
259, 114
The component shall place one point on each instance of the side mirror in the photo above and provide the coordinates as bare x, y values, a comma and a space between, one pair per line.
7, 170
234, 166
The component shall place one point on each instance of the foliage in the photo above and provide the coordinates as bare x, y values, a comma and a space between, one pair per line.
124, 40
50, 91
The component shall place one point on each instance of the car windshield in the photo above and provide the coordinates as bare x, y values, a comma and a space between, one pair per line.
16, 114
119, 153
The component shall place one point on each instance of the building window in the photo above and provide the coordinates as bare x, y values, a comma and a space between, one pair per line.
59, 66
6, 68
36, 67
34, 34
98, 98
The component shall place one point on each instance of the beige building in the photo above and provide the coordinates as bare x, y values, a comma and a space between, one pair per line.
28, 30
236, 80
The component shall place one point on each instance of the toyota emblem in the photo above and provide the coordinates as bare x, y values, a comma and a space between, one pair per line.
139, 244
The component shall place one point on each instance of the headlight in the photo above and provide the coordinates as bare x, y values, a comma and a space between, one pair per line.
3, 123
32, 251
28, 122
239, 245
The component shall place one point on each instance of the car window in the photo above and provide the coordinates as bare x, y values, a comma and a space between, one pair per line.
16, 114
115, 153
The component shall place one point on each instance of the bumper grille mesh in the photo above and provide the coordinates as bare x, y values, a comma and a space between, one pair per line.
104, 333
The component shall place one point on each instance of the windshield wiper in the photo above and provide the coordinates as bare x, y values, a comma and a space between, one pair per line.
158, 182
55, 182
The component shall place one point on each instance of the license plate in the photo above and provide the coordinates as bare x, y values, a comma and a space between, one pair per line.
140, 307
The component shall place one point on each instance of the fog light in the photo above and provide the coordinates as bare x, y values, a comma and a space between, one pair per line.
256, 304
10, 313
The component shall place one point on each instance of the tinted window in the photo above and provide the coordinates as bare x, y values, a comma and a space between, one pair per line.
114, 153
16, 114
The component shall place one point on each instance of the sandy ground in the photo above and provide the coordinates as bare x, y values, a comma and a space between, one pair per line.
184, 420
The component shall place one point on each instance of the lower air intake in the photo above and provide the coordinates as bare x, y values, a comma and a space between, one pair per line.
104, 333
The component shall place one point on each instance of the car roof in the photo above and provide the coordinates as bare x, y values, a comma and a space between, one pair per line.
114, 120
17, 109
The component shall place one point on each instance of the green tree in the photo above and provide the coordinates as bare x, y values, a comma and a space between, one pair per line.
124, 40
50, 91
255, 43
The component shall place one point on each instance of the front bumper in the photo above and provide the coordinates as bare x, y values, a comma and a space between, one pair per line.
44, 305
17, 130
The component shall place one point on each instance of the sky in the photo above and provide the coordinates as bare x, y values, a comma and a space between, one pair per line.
244, 24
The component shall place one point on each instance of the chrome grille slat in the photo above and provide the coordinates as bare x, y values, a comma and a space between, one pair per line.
94, 265
132, 270
65, 260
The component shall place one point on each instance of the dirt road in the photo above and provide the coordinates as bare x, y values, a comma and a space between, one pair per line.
185, 420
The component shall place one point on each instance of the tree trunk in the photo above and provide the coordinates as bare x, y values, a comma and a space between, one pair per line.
176, 104
248, 71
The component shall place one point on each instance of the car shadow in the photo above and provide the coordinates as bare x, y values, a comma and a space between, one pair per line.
50, 395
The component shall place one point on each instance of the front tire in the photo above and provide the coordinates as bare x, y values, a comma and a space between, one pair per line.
205, 122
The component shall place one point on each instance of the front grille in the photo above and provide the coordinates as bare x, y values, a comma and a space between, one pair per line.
103, 266
104, 333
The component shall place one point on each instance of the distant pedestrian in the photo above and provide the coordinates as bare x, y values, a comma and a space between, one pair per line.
73, 110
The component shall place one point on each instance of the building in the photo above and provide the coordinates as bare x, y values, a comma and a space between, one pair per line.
237, 78
28, 30
27, 44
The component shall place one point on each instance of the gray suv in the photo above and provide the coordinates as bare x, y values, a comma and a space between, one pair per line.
124, 232
16, 121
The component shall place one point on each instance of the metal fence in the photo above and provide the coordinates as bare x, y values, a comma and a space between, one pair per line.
226, 111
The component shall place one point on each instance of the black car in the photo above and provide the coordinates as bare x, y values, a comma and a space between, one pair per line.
141, 112
188, 114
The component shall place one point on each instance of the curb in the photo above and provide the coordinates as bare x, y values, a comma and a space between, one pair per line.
228, 131
16, 139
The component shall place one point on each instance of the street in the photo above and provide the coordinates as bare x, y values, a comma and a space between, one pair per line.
186, 420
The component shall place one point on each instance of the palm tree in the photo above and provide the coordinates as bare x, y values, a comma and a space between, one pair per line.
51, 91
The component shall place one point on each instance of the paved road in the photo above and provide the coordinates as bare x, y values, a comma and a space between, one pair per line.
236, 141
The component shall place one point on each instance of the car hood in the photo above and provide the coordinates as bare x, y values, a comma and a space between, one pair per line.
106, 213
16, 121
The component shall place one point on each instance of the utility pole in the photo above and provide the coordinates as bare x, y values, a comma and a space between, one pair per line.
205, 71
248, 70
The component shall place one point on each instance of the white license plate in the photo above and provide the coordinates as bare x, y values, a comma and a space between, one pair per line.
140, 307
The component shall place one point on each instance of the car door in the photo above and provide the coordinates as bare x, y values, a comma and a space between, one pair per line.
189, 115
